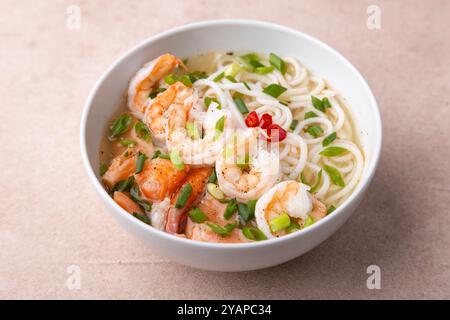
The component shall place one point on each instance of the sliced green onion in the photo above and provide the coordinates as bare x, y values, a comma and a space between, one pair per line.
333, 151
219, 77
197, 215
284, 103
176, 160
251, 205
244, 214
310, 114
209, 100
159, 154
192, 130
230, 209
247, 86
315, 130
171, 79
331, 209
252, 60
278, 63
186, 80
293, 227
142, 217
303, 179
142, 131
121, 125
231, 78
253, 234
264, 70
309, 221
140, 162
136, 196
335, 176
274, 90
317, 184
329, 139
223, 231
317, 103
154, 93
127, 142
240, 104
294, 124
213, 177
197, 75
237, 95
233, 69
215, 191
124, 185
184, 196
103, 168
326, 103
220, 124
280, 223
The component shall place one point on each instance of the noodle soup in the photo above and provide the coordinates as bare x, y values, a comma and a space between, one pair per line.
231, 147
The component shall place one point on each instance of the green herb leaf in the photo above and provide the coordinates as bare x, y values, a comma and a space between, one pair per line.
184, 196
140, 162
316, 186
240, 104
142, 217
197, 215
329, 139
253, 234
121, 125
278, 63
333, 151
142, 131
274, 90
335, 176
315, 130
223, 231
310, 114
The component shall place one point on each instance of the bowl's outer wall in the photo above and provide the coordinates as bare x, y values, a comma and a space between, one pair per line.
241, 36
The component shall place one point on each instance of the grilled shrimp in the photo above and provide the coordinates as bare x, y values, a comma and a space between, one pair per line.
291, 198
245, 169
155, 114
176, 217
146, 78
196, 149
121, 168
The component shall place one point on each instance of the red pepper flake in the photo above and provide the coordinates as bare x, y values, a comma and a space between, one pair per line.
252, 120
266, 121
276, 133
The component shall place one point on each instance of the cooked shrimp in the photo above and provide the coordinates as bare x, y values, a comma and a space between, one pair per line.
288, 197
214, 210
121, 168
246, 179
145, 79
155, 114
176, 217
160, 179
126, 203
197, 149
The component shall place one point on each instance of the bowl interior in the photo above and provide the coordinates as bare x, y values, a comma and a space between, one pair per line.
185, 41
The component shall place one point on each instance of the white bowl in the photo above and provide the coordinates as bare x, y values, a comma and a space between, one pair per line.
233, 35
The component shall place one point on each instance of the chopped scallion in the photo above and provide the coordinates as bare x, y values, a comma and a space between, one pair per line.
220, 124
294, 124
103, 168
142, 217
315, 130
331, 209
317, 184
140, 162
309, 221
219, 77
142, 131
329, 139
223, 231
230, 209
240, 104
183, 196
197, 215
253, 234
280, 223
278, 63
333, 151
121, 125
274, 90
176, 159
215, 191
334, 175
127, 142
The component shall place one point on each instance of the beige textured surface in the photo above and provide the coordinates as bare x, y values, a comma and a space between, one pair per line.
50, 217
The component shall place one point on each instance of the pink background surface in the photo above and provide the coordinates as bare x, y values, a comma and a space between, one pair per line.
51, 218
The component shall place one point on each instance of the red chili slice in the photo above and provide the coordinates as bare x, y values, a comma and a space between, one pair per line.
276, 133
252, 120
266, 121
